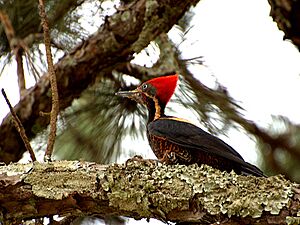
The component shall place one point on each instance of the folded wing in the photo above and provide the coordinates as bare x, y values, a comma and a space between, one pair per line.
188, 135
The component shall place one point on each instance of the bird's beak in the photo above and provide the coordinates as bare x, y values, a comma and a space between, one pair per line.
127, 94
134, 95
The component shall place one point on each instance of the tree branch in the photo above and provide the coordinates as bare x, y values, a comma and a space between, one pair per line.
19, 127
141, 189
53, 84
286, 13
124, 33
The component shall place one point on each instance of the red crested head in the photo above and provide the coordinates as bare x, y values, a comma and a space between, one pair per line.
163, 87
154, 93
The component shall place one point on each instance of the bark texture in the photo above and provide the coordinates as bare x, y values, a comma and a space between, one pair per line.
286, 13
141, 189
126, 32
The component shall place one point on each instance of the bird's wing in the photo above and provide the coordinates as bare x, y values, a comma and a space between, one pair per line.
188, 135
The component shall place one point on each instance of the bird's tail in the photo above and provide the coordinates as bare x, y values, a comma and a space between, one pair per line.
249, 169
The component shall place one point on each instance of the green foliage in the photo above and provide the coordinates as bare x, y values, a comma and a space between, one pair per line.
95, 125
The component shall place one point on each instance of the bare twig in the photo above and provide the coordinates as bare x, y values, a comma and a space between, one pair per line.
55, 101
19, 127
16, 46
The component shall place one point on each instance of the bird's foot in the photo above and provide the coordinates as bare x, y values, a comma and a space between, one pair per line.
172, 157
169, 158
138, 159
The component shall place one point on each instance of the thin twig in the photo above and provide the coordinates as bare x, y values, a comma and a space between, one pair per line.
55, 101
19, 127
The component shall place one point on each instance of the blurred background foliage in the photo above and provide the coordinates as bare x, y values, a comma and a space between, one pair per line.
94, 127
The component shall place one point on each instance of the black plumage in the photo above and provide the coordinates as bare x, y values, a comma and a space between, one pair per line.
185, 143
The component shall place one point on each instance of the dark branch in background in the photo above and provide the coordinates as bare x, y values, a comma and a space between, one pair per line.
19, 127
16, 47
54, 91
163, 66
287, 15
60, 10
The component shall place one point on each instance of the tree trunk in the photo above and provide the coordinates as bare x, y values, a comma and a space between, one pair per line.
141, 189
126, 32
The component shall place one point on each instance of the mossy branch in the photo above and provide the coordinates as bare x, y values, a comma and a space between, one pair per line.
141, 189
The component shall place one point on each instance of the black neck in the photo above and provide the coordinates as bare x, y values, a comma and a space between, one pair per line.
155, 110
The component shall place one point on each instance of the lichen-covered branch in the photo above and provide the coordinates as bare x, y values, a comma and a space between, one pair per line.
126, 32
141, 189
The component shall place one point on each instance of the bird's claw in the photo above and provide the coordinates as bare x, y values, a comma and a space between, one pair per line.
141, 160
172, 157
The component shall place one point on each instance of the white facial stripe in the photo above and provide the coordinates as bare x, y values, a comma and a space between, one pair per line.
157, 106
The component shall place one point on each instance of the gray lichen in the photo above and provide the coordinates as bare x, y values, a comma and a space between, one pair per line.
16, 169
292, 220
230, 194
165, 188
58, 179
147, 190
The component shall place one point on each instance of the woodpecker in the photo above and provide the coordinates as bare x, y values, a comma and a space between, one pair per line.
176, 140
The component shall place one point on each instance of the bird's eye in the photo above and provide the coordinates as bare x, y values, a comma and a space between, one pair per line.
144, 87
